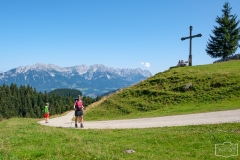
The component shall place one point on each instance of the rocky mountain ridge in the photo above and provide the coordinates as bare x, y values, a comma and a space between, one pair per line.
90, 80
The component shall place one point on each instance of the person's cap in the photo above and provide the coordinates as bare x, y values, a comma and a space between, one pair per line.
79, 96
47, 103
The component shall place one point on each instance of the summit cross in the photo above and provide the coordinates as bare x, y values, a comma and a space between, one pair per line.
190, 48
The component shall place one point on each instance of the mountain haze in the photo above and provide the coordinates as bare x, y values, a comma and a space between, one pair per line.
90, 80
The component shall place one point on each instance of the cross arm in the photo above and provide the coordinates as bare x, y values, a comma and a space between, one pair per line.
198, 35
183, 38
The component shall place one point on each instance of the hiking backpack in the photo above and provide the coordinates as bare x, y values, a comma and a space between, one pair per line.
78, 105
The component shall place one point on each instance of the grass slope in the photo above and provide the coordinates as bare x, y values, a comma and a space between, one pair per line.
176, 91
25, 139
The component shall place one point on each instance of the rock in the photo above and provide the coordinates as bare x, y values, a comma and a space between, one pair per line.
188, 86
129, 151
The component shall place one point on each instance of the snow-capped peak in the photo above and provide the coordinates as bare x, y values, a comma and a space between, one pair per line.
95, 79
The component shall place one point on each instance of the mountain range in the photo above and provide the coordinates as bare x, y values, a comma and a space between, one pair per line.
90, 80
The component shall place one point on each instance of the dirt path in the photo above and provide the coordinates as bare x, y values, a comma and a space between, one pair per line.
178, 120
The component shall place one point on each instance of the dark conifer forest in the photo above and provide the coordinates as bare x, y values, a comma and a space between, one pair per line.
26, 102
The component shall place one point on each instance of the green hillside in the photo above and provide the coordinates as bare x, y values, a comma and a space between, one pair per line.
176, 91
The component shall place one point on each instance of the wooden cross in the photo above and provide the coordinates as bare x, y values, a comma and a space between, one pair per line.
190, 49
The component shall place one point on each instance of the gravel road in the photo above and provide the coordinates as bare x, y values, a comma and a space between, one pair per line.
177, 120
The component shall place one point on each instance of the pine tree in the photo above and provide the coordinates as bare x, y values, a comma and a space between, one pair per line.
224, 43
25, 101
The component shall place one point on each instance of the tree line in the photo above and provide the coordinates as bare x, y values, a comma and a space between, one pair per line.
26, 102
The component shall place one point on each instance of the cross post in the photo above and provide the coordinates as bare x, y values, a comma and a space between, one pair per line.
190, 47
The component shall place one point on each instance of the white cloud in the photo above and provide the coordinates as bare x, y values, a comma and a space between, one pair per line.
146, 64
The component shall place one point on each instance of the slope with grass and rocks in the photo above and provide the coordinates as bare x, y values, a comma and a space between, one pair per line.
179, 90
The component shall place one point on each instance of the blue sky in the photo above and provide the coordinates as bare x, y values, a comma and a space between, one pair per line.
131, 34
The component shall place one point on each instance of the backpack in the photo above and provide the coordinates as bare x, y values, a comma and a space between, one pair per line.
78, 105
46, 109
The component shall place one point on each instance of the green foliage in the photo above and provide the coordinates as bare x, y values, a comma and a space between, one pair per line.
66, 92
27, 102
225, 40
69, 93
25, 139
88, 100
186, 89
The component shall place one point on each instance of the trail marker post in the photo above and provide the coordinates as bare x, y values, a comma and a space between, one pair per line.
190, 47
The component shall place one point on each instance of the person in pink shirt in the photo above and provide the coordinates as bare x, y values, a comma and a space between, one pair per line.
78, 107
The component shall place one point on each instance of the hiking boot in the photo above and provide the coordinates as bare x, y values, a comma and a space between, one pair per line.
81, 125
76, 126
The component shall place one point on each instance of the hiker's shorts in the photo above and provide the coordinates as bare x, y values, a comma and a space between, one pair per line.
46, 115
78, 112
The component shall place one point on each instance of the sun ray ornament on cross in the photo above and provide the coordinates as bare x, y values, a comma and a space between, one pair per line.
190, 47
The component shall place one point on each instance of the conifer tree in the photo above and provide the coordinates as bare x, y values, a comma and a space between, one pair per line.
25, 101
226, 36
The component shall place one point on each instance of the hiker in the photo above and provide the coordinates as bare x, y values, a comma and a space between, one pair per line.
46, 112
182, 63
179, 63
78, 107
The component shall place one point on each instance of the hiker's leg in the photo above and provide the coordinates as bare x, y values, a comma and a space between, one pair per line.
76, 118
47, 117
81, 119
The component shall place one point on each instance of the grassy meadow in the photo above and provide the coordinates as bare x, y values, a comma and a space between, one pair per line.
25, 139
179, 90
